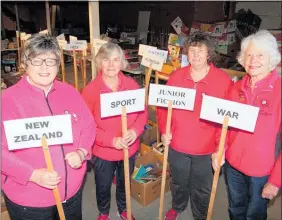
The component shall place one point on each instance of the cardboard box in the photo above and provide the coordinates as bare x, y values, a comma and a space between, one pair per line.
149, 142
146, 193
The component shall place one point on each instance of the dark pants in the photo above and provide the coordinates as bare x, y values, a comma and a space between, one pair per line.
244, 192
192, 178
104, 172
72, 210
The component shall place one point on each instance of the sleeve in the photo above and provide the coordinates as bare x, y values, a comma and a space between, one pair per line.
228, 96
88, 130
12, 166
275, 175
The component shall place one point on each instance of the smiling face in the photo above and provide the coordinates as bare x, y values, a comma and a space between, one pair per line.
112, 65
198, 55
42, 70
256, 61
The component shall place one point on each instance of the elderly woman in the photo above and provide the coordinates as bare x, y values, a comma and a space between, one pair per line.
26, 182
108, 147
253, 171
192, 140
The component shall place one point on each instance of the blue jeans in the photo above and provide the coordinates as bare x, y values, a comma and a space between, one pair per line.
244, 195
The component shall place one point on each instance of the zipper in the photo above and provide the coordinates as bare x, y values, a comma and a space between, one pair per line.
63, 152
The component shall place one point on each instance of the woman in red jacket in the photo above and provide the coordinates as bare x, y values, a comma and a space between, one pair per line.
253, 171
109, 143
192, 140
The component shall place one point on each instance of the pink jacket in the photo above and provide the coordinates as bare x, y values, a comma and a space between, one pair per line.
24, 101
110, 127
254, 153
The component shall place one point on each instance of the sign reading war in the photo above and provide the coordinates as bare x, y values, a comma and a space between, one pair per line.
27, 132
112, 103
182, 98
240, 115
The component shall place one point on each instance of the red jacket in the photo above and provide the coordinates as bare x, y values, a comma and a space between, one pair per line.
190, 134
25, 101
254, 153
109, 128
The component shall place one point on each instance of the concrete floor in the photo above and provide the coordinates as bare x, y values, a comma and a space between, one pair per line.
150, 212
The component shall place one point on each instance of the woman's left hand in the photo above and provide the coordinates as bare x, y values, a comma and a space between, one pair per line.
269, 191
74, 159
130, 137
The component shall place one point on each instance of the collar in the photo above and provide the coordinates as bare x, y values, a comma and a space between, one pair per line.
105, 88
25, 81
205, 79
266, 83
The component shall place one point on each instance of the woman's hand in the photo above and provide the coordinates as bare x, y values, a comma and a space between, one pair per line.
45, 178
74, 159
119, 143
130, 137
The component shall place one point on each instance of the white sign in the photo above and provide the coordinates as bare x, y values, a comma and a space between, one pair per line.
76, 45
97, 43
62, 43
27, 132
160, 53
72, 38
241, 116
184, 61
144, 48
111, 103
23, 35
61, 37
182, 98
151, 59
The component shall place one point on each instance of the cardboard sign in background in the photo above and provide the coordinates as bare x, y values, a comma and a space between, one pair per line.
151, 59
241, 116
182, 99
18, 132
144, 48
97, 43
111, 103
160, 53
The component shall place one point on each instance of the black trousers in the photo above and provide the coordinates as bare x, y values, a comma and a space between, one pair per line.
192, 178
72, 210
104, 172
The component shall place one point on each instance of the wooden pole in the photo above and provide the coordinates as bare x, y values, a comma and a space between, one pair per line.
75, 70
63, 65
168, 125
126, 165
84, 53
47, 9
49, 164
54, 8
216, 173
17, 18
157, 124
19, 54
147, 83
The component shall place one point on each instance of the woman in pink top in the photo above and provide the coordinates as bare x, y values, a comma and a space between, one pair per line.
109, 143
26, 183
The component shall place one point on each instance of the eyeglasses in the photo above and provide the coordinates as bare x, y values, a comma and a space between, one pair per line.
48, 61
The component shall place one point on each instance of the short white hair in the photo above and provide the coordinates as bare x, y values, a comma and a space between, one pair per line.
106, 50
265, 40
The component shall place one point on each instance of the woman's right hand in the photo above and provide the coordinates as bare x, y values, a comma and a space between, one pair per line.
119, 143
166, 139
45, 178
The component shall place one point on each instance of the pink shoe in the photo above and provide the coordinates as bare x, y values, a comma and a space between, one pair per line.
171, 215
103, 217
123, 216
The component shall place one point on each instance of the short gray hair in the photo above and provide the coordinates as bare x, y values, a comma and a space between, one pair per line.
265, 40
106, 50
39, 44
199, 38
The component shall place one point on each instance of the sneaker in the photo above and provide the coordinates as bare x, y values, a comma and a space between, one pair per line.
103, 217
171, 215
123, 216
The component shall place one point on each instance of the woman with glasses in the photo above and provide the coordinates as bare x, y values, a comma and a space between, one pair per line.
26, 183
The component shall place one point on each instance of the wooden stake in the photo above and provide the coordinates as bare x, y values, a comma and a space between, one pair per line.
147, 83
126, 165
49, 164
19, 47
93, 70
75, 70
84, 53
63, 65
216, 173
168, 124
157, 126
